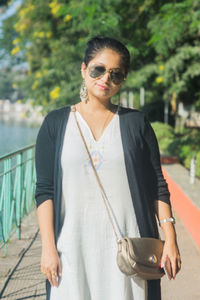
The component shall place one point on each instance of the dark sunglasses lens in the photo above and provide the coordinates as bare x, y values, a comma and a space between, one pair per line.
117, 77
97, 71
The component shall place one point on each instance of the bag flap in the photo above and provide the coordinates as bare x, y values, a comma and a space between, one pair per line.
145, 251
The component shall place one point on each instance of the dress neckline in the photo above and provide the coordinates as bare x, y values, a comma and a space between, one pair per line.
89, 129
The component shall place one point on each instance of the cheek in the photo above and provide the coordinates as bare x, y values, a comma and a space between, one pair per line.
89, 81
115, 89
91, 84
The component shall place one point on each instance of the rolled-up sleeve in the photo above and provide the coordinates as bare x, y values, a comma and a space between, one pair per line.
161, 191
44, 162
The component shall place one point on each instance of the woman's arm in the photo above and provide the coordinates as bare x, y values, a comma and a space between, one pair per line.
50, 262
45, 162
170, 251
162, 206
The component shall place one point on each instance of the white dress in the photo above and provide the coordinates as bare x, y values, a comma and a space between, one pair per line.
87, 243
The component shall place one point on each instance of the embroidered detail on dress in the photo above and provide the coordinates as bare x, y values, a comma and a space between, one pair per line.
97, 159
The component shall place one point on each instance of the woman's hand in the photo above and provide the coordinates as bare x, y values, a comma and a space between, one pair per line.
171, 258
51, 265
50, 261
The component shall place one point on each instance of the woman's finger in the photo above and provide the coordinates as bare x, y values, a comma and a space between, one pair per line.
43, 271
49, 277
59, 268
168, 268
163, 259
174, 268
178, 264
54, 278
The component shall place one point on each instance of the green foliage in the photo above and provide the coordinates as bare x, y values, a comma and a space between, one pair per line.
187, 162
54, 34
6, 88
184, 145
6, 41
175, 37
164, 134
173, 25
198, 164
51, 36
140, 78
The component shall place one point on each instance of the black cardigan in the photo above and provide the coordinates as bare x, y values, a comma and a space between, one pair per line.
142, 161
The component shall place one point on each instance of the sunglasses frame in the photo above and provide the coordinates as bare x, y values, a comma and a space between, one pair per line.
110, 71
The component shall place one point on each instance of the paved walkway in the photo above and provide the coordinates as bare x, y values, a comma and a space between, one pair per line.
20, 276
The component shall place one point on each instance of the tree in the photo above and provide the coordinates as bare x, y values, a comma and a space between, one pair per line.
175, 70
6, 88
7, 41
54, 35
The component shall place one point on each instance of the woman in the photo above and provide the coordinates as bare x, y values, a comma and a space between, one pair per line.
78, 245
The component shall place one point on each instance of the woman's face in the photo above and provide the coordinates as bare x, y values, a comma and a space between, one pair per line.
102, 87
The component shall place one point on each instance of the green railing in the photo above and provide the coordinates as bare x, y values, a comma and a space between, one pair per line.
17, 188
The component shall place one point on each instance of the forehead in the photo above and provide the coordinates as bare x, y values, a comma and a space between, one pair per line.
108, 57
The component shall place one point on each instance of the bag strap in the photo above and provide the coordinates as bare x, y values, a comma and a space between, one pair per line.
73, 109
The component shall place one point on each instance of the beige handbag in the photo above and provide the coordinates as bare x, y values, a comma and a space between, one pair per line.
136, 256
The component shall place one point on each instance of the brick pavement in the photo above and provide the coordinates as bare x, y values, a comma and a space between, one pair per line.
20, 276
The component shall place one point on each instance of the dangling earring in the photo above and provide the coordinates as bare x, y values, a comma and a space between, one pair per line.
83, 92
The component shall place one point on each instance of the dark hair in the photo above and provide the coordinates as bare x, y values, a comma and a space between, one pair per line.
98, 43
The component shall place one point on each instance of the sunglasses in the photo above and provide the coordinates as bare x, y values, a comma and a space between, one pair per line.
97, 71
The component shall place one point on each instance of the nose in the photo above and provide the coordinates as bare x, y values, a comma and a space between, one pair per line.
106, 77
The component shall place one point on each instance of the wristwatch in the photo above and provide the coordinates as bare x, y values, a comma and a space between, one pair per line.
171, 220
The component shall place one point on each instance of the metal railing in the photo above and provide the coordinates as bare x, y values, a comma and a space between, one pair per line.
17, 188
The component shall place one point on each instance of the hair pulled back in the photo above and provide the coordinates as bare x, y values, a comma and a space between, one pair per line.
99, 43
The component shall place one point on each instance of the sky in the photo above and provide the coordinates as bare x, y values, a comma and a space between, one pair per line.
10, 11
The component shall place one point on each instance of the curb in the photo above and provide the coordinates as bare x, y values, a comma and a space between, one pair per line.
187, 211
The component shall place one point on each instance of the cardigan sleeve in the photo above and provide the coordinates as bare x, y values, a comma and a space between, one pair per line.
44, 162
161, 191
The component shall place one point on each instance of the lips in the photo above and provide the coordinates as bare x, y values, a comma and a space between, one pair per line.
102, 87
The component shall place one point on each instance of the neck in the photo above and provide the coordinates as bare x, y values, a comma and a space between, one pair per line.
96, 105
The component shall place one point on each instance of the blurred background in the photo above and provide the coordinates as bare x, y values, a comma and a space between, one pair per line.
42, 44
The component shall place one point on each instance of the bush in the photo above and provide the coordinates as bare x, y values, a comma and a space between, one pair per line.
198, 164
164, 134
184, 145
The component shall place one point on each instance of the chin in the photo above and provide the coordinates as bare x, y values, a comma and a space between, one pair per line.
101, 94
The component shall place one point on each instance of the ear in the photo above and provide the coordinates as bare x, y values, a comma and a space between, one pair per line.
83, 69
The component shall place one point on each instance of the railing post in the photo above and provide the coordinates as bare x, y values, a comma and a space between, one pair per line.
17, 194
8, 204
17, 186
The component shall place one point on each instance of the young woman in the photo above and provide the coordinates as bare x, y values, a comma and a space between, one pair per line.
78, 243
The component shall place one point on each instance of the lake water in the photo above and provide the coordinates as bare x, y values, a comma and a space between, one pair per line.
16, 135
